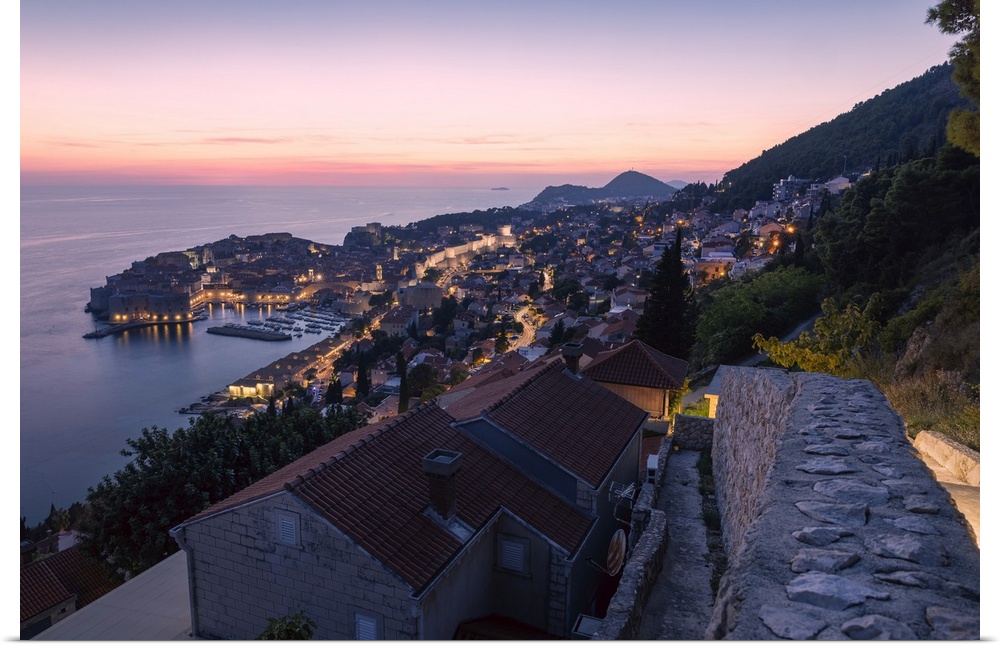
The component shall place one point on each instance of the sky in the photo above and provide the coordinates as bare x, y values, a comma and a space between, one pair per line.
440, 93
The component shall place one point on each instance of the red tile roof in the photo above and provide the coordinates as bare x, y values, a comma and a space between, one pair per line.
469, 399
574, 421
50, 581
370, 484
638, 364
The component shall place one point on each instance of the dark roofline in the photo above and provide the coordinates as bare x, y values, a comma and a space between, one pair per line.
283, 483
648, 351
554, 366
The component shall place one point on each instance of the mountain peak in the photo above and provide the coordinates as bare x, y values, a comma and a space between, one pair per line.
636, 183
630, 184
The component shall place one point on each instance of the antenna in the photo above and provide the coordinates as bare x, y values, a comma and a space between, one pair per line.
621, 491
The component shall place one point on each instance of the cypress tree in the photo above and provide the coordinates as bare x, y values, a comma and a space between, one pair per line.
363, 384
667, 321
404, 396
334, 392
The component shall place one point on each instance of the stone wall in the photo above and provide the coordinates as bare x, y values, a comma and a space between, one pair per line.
834, 528
693, 432
957, 459
649, 537
757, 403
241, 575
638, 577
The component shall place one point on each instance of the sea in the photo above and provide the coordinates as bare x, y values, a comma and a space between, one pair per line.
82, 398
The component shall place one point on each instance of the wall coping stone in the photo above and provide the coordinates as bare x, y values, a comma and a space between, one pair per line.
958, 459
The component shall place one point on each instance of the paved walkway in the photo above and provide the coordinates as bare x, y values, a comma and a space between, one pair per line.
680, 604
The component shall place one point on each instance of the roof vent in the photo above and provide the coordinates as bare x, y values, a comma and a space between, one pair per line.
441, 467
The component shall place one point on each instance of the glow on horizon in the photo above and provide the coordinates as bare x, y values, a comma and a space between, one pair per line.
443, 93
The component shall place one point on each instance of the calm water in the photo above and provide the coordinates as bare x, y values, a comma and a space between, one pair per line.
80, 399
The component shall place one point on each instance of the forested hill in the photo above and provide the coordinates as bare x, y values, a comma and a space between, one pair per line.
904, 123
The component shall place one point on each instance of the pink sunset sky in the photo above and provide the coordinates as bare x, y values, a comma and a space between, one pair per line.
443, 93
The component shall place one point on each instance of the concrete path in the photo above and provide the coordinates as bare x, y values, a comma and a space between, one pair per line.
680, 604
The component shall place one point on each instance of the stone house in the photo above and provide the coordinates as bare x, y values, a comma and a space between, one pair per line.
399, 320
641, 374
628, 297
501, 505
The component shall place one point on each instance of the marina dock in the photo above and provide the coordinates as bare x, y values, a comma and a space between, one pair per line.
248, 333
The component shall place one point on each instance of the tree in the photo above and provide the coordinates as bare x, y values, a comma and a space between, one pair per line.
501, 345
458, 374
445, 314
171, 477
838, 340
294, 627
422, 377
404, 391
334, 392
363, 383
962, 17
477, 356
770, 302
558, 334
667, 321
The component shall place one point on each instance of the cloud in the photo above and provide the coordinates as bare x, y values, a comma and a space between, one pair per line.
72, 144
245, 140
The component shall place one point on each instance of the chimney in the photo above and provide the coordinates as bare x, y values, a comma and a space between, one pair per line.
441, 467
571, 355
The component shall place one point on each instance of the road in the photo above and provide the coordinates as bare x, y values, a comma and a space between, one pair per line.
528, 336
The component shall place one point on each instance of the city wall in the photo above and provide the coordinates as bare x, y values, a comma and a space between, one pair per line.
834, 528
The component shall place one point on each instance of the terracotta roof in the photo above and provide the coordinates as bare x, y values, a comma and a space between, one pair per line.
574, 421
638, 364
370, 484
468, 401
50, 581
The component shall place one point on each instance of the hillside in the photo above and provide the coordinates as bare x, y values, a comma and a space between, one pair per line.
630, 184
900, 124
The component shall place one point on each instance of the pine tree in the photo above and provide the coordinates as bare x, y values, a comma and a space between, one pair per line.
962, 17
667, 321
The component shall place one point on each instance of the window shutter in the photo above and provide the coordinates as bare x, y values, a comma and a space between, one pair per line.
512, 555
365, 628
286, 530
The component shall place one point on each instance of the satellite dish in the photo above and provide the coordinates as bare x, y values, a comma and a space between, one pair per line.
616, 552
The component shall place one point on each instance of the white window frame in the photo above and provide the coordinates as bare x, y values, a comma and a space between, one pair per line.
506, 547
287, 528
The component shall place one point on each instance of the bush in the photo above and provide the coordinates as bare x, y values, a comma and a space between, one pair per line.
295, 627
938, 402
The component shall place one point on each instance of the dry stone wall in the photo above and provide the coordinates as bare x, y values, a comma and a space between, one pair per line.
835, 529
693, 432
